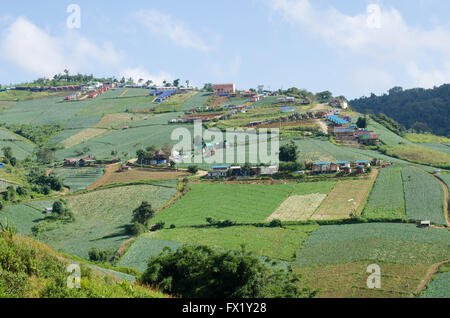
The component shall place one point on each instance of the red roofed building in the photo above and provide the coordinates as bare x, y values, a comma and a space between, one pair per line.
220, 89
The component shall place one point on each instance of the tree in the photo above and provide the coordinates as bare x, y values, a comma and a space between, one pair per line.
13, 161
176, 82
192, 169
143, 213
59, 208
202, 272
208, 87
7, 152
288, 153
362, 122
324, 96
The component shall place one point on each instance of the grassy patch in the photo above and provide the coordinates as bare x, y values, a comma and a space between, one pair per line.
427, 138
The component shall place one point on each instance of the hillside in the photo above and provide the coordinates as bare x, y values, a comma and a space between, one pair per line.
29, 269
423, 110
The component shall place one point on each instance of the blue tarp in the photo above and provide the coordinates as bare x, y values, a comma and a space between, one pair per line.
337, 120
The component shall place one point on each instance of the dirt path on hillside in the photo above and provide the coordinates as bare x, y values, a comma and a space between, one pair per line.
12, 182
446, 206
323, 126
320, 107
446, 195
123, 93
433, 269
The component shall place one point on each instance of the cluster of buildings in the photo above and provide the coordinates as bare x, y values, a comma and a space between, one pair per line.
79, 162
359, 166
291, 100
338, 103
353, 135
189, 119
223, 171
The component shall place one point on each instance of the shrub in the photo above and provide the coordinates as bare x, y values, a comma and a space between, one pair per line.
96, 255
135, 229
201, 272
192, 169
276, 223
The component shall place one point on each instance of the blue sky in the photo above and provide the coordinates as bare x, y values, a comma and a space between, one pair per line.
352, 47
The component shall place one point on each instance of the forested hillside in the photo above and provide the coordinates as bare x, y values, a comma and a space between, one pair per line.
423, 110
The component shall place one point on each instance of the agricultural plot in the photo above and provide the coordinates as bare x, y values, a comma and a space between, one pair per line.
112, 175
238, 202
298, 207
197, 100
278, 243
118, 120
158, 119
320, 149
421, 155
424, 196
350, 279
100, 217
388, 137
347, 198
268, 101
78, 178
108, 105
446, 178
20, 147
138, 254
124, 142
386, 200
439, 287
445, 148
4, 185
82, 136
22, 217
377, 242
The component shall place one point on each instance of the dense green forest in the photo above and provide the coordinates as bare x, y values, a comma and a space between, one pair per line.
418, 109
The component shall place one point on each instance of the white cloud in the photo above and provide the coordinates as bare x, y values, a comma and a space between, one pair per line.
420, 53
141, 73
163, 25
230, 69
36, 51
